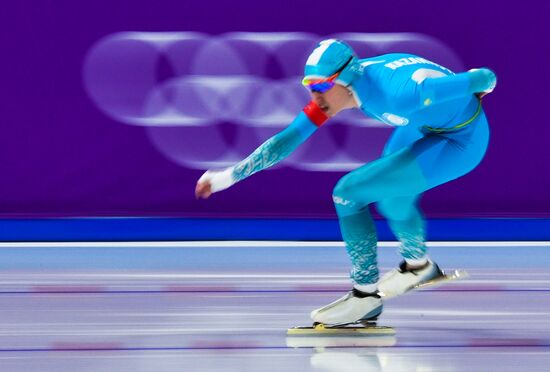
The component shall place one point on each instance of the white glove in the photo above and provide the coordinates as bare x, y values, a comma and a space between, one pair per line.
218, 180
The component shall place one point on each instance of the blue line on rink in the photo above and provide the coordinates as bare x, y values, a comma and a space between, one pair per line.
147, 229
462, 290
546, 344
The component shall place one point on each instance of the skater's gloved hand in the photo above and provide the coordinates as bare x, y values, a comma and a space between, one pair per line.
213, 181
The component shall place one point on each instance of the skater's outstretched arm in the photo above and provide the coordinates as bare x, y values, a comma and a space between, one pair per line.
435, 90
266, 155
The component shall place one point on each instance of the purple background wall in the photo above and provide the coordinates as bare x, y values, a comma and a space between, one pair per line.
60, 156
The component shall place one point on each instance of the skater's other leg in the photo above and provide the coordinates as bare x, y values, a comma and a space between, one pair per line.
408, 225
442, 158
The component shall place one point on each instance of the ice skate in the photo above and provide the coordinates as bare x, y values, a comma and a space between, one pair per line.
402, 280
355, 313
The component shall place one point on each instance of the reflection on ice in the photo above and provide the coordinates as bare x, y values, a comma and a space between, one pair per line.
340, 341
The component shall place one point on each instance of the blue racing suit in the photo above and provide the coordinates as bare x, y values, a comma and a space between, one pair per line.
441, 134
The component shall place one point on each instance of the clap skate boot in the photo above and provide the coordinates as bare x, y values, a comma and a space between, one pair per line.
355, 314
355, 307
402, 280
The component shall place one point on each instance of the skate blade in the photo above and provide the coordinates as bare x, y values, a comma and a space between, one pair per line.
320, 330
447, 277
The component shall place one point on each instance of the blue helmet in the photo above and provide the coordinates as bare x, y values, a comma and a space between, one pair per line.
332, 56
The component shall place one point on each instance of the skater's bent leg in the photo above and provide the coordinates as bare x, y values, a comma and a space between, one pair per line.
392, 176
408, 225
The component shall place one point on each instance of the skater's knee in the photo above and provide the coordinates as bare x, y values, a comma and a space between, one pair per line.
352, 189
341, 190
343, 185
343, 194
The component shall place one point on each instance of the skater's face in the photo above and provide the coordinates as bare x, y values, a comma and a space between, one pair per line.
334, 100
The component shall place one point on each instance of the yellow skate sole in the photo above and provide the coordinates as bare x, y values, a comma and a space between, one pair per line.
349, 330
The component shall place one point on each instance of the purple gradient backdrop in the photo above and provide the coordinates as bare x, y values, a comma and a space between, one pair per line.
62, 157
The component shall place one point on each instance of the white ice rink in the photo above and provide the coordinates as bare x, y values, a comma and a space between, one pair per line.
225, 306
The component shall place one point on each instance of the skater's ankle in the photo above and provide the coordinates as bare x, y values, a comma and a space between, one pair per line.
417, 267
360, 294
366, 288
416, 264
